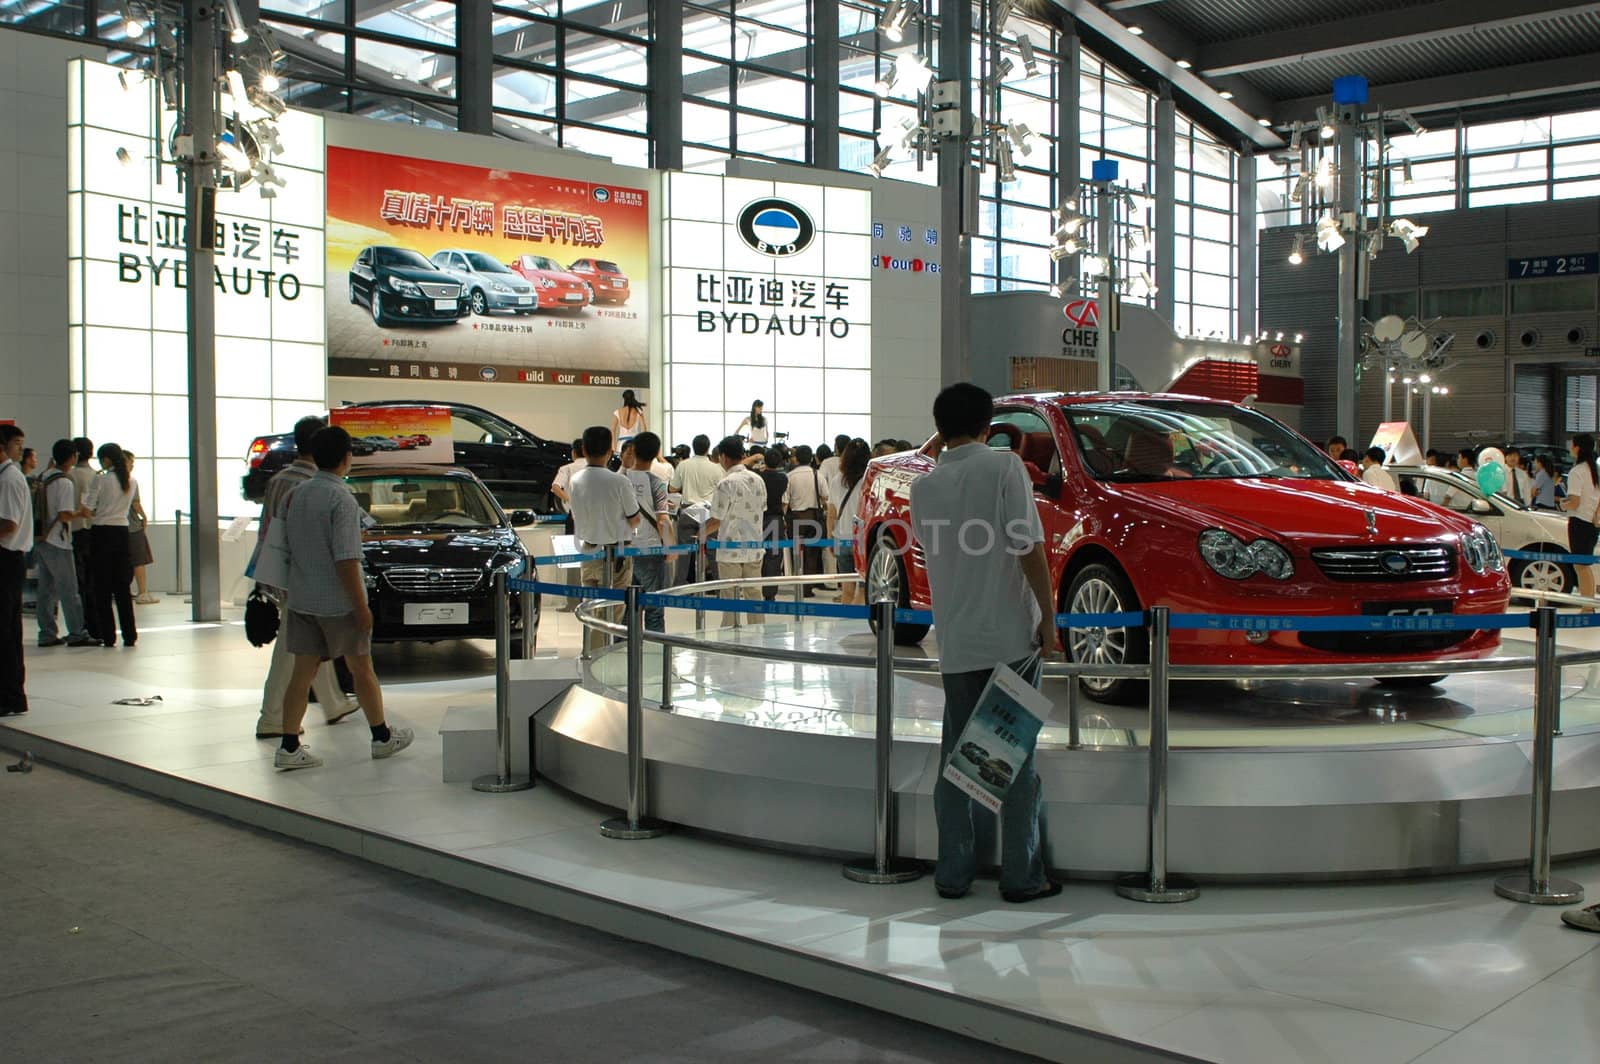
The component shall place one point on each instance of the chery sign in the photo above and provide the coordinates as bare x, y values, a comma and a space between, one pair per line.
1081, 337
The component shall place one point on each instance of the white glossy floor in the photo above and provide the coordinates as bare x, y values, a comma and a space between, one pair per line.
1437, 970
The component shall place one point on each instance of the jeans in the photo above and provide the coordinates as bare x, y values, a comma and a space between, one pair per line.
58, 586
689, 532
651, 574
13, 674
1021, 864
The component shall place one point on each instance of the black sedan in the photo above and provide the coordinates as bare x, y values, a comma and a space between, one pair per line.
433, 541
517, 466
399, 285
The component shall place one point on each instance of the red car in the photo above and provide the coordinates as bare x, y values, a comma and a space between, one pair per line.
413, 441
606, 280
1206, 506
553, 286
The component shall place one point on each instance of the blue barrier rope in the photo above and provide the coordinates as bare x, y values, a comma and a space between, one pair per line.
1541, 556
1578, 620
690, 548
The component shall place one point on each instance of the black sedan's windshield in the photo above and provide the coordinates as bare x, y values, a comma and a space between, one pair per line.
403, 501
402, 257
1149, 440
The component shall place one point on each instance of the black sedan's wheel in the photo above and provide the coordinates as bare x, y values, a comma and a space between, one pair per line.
378, 317
1102, 589
886, 579
479, 302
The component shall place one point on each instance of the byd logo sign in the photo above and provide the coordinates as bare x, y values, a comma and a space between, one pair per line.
1084, 313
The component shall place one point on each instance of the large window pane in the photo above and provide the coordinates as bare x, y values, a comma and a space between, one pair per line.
603, 57
602, 14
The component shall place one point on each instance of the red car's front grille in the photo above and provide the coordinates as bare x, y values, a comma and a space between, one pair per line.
1383, 642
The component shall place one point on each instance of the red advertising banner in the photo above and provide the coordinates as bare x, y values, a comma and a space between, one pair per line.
470, 273
397, 435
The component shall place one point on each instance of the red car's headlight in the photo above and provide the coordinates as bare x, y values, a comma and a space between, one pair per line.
1232, 557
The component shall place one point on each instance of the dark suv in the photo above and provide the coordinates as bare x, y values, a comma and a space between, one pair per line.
398, 284
514, 464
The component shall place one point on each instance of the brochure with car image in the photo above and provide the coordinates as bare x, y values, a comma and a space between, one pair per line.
998, 738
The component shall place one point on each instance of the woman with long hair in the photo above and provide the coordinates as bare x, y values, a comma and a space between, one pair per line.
627, 421
1545, 478
760, 431
1582, 504
109, 500
139, 552
852, 470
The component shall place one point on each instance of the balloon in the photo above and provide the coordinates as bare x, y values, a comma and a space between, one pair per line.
1491, 477
1491, 456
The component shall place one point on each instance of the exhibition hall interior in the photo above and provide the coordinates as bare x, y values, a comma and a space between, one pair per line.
799, 530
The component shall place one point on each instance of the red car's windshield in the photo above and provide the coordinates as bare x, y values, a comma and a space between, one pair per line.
1152, 440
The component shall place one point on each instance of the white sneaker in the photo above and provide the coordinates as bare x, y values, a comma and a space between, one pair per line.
300, 758
399, 739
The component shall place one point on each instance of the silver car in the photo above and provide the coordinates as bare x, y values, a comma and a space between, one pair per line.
487, 284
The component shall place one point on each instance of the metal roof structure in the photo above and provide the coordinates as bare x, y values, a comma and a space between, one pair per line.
1276, 59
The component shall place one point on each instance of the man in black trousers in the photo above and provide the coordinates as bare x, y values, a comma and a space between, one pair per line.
16, 540
82, 543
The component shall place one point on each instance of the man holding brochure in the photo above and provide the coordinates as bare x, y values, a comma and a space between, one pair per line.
978, 526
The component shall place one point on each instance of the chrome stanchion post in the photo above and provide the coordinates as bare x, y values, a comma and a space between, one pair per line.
635, 825
700, 578
666, 677
1536, 885
1155, 885
502, 780
530, 623
608, 581
883, 866
1074, 735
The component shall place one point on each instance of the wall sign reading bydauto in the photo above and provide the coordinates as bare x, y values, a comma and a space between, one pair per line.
467, 266
769, 297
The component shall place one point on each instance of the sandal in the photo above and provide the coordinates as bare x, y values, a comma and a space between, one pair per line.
1583, 919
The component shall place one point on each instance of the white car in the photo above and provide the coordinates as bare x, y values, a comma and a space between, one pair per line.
1514, 527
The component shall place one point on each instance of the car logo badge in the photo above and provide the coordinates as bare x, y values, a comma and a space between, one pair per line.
434, 578
1372, 522
776, 227
1084, 313
1395, 563
601, 195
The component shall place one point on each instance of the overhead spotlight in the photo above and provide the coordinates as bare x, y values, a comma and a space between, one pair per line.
1055, 291
1002, 14
1374, 243
1069, 221
1299, 337
1329, 238
896, 17
1412, 124
998, 74
1265, 122
1225, 94
880, 162
237, 31
1245, 339
269, 81
1407, 177
1142, 285
1007, 165
1302, 185
1139, 242
1021, 136
885, 84
1137, 31
130, 23
1407, 232
912, 73
1297, 254
1278, 338
1425, 379
1095, 266
1184, 64
1064, 249
232, 155
1325, 173
1325, 122
124, 157
266, 101
169, 88
1030, 61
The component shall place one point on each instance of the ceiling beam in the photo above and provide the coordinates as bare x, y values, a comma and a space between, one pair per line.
1482, 88
1403, 25
1124, 5
1158, 51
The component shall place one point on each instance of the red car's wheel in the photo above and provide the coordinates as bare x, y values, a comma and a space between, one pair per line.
886, 579
1100, 588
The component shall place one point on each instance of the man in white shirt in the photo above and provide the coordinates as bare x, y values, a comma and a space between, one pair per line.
693, 482
806, 518
82, 539
737, 507
832, 491
979, 528
604, 510
52, 553
652, 530
561, 488
1519, 482
16, 540
1373, 473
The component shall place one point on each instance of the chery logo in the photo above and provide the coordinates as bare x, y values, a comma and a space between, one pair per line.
1084, 313
1281, 351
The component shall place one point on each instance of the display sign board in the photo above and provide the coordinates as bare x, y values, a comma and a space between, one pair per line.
769, 297
127, 280
393, 435
1578, 264
484, 274
902, 246
1080, 337
1399, 443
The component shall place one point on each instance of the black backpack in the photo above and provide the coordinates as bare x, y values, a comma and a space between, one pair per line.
43, 519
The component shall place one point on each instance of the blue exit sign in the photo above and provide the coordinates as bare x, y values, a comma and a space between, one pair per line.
1581, 264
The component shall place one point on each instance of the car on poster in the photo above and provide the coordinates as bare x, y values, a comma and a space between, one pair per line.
421, 233
487, 283
433, 539
607, 283
516, 465
1206, 507
397, 284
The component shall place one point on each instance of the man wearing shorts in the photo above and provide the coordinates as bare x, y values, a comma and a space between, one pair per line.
328, 616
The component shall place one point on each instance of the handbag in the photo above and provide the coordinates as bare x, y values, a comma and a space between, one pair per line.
999, 736
260, 617
270, 565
